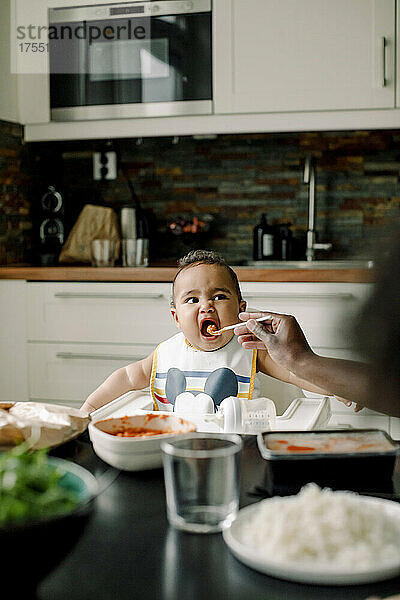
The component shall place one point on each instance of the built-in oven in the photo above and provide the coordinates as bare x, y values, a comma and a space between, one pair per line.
132, 59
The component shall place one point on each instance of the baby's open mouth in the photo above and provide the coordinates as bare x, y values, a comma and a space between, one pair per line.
207, 327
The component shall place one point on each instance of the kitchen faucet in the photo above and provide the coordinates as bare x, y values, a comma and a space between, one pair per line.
310, 178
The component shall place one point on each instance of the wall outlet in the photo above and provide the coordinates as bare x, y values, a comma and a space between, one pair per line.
104, 165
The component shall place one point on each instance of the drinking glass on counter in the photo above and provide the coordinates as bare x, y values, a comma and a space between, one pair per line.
129, 252
202, 481
142, 252
103, 253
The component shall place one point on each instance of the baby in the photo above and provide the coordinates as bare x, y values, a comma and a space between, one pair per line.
205, 297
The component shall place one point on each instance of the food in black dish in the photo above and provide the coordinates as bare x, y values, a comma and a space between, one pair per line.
46, 504
359, 460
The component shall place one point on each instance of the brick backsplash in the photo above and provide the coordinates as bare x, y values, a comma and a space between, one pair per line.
234, 178
15, 217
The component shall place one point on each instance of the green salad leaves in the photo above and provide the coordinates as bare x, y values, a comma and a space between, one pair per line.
30, 487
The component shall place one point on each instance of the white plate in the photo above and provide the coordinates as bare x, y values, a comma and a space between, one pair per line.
312, 572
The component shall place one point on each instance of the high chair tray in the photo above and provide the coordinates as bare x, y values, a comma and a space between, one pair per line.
301, 414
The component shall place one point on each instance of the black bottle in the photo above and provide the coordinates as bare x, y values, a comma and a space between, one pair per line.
284, 242
263, 240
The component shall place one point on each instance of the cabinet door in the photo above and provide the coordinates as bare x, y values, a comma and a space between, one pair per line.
68, 373
299, 55
8, 80
398, 52
13, 363
26, 75
119, 313
325, 311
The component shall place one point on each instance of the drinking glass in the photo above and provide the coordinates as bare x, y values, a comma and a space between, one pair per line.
129, 252
202, 481
142, 252
103, 253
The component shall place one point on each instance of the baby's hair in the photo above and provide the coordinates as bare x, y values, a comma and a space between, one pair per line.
205, 257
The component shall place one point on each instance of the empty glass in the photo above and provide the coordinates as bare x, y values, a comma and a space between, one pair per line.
142, 252
129, 252
202, 481
103, 253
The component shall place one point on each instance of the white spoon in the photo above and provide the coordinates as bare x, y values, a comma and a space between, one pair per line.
220, 331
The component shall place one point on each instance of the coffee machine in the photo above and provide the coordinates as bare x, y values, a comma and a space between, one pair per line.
50, 227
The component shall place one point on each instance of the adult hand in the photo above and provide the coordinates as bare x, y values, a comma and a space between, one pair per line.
281, 336
285, 342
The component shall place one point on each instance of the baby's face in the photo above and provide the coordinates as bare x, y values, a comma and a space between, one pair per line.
205, 295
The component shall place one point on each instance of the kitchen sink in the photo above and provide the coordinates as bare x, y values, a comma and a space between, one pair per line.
314, 264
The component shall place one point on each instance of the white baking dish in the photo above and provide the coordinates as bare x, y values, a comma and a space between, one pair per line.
135, 453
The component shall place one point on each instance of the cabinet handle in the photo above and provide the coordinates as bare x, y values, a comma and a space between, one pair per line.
76, 355
305, 296
138, 296
383, 79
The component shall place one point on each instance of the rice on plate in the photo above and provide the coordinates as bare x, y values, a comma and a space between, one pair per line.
323, 527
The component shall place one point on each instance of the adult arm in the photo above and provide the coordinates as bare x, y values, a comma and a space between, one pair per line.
135, 376
266, 365
287, 346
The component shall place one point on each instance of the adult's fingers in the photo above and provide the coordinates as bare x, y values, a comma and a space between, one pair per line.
241, 330
247, 337
254, 345
267, 325
257, 329
246, 315
270, 325
250, 341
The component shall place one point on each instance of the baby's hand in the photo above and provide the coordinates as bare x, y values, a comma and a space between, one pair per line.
357, 407
344, 400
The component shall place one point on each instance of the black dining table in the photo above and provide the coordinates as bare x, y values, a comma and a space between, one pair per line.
128, 550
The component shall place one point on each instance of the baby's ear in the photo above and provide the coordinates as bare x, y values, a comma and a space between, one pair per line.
242, 306
175, 317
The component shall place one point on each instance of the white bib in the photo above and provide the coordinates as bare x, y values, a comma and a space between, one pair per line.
179, 367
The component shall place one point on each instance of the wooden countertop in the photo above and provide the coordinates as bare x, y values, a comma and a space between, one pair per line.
149, 274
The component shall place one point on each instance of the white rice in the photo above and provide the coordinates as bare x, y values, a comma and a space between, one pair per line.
322, 526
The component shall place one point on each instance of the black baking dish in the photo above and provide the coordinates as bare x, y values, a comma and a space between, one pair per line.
359, 460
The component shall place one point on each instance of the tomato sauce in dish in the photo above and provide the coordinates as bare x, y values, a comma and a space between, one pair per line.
294, 448
138, 432
123, 426
328, 443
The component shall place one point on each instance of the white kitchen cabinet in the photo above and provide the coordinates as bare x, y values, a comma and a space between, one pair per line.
68, 373
8, 81
99, 312
13, 360
79, 333
304, 55
24, 82
398, 52
304, 65
325, 311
